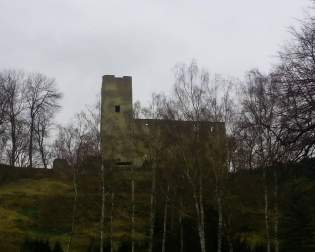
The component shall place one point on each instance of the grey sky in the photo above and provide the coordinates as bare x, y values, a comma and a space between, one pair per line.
78, 41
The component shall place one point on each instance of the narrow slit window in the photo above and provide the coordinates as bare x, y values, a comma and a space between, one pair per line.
117, 108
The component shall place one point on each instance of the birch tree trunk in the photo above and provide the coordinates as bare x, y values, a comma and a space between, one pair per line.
181, 231
42, 154
74, 207
132, 210
198, 198
165, 220
30, 148
276, 224
220, 221
202, 216
266, 210
229, 233
13, 155
111, 222
152, 208
230, 246
201, 231
102, 208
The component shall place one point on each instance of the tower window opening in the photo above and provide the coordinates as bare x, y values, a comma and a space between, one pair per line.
117, 108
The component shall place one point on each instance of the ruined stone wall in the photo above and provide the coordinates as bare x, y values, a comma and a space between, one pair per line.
156, 135
126, 140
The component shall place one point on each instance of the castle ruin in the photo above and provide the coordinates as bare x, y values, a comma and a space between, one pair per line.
123, 136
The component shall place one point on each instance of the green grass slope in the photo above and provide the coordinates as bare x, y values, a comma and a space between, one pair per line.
38, 205
26, 211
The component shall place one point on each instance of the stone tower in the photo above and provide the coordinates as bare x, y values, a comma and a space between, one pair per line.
116, 119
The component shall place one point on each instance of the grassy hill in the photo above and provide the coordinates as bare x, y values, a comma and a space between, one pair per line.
37, 204
27, 201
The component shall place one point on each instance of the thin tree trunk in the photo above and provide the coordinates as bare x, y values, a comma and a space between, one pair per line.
111, 222
181, 231
202, 235
14, 145
172, 224
276, 224
165, 220
198, 199
202, 216
197, 190
266, 211
230, 246
132, 210
220, 221
74, 207
102, 208
40, 142
40, 136
228, 233
30, 147
152, 208
42, 151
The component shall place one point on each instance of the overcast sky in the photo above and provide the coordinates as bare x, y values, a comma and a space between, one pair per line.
77, 41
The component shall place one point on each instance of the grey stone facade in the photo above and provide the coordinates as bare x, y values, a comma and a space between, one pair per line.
124, 138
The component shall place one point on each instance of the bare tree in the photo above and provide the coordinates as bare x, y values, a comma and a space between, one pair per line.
41, 97
68, 146
102, 218
3, 111
261, 122
41, 133
92, 118
133, 208
187, 106
219, 109
153, 143
12, 84
198, 101
294, 78
3, 104
74, 143
165, 216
